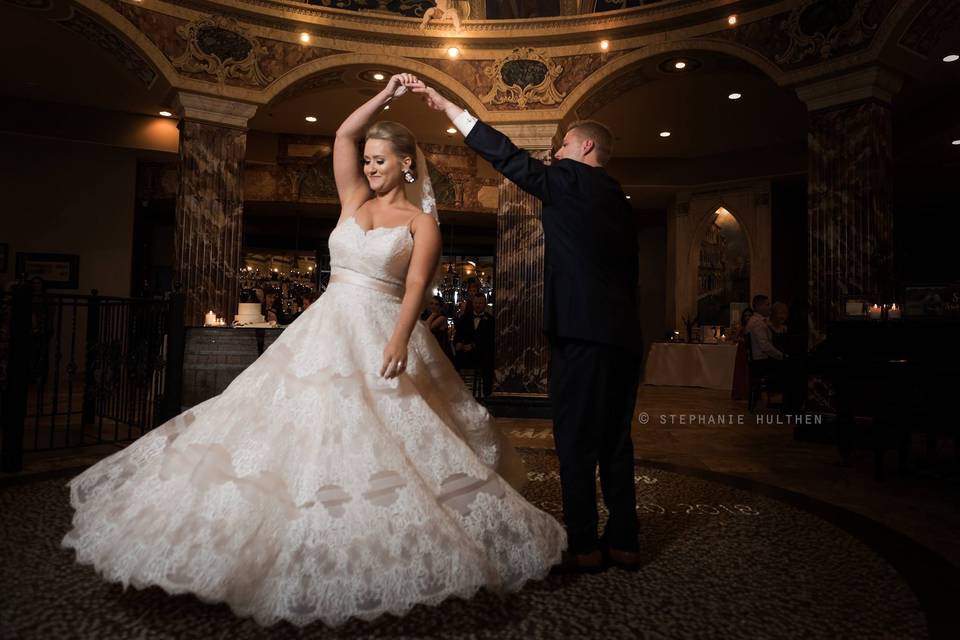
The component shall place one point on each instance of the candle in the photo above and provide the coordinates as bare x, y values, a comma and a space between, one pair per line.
875, 312
209, 319
893, 313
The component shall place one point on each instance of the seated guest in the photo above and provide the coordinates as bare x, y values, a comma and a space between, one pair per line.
304, 303
767, 359
271, 308
779, 313
741, 369
792, 345
436, 321
475, 342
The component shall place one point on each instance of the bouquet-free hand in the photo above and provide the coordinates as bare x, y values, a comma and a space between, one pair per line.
400, 83
430, 95
394, 359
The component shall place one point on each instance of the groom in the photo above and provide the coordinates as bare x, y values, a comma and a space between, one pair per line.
590, 318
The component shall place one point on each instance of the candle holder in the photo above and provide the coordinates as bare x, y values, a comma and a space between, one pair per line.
892, 311
875, 312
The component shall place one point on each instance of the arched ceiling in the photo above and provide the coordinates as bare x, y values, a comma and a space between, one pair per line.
59, 61
693, 105
63, 59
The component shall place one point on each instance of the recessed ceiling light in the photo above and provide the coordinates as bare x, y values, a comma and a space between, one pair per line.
956, 143
680, 64
304, 37
453, 52
386, 108
165, 113
664, 134
734, 96
732, 20
378, 77
951, 58
604, 44
311, 118
628, 197
452, 130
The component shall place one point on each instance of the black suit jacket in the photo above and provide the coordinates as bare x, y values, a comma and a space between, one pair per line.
590, 242
481, 337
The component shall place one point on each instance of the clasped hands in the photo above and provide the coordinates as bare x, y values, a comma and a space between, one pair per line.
400, 83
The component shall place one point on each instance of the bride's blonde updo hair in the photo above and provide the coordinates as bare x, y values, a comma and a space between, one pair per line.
400, 138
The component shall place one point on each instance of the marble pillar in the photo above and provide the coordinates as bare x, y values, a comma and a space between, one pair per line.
522, 353
850, 195
208, 234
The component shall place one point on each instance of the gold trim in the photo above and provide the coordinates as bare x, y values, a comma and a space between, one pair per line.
545, 92
194, 59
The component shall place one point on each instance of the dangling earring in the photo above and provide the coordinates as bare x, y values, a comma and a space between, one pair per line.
408, 176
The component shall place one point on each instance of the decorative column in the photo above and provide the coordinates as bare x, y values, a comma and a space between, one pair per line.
850, 195
209, 219
522, 352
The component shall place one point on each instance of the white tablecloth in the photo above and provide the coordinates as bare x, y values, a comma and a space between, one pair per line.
691, 365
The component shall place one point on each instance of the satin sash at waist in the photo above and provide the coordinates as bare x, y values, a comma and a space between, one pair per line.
346, 276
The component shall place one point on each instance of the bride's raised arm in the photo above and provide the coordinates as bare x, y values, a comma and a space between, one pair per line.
352, 187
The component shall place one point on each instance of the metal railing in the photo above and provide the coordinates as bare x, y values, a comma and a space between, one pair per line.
79, 370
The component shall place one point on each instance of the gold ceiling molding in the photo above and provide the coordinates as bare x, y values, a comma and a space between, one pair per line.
221, 47
526, 75
823, 31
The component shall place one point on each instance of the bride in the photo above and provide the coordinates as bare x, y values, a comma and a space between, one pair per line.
347, 472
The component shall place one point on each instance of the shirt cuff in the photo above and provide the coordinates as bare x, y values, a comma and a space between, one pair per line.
464, 122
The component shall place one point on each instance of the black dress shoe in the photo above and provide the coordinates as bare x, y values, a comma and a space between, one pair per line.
626, 560
582, 562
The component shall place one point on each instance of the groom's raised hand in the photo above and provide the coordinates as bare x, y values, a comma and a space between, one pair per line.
400, 83
430, 95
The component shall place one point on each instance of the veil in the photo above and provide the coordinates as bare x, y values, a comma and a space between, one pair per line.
420, 193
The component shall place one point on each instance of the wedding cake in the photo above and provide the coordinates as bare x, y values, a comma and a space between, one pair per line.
248, 313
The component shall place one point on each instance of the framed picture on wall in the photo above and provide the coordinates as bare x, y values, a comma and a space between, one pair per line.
4, 252
58, 270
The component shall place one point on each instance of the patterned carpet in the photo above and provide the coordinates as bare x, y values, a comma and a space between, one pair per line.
721, 558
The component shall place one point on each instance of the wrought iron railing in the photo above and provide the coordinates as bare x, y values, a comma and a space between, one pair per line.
79, 370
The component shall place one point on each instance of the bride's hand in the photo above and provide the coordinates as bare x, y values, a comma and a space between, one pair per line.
394, 359
399, 83
430, 95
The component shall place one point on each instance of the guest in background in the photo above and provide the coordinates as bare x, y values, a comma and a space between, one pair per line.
741, 369
437, 321
791, 343
745, 316
309, 299
758, 328
271, 308
304, 303
767, 359
779, 314
473, 288
475, 342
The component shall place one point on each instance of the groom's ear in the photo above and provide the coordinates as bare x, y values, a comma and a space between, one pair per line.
588, 145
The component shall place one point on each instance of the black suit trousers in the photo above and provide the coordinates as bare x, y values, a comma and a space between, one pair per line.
593, 391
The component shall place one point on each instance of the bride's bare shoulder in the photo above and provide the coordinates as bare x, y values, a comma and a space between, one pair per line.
424, 221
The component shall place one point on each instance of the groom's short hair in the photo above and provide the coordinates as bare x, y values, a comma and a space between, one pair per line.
599, 133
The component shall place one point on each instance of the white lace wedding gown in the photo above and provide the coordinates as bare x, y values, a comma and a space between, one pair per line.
312, 488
